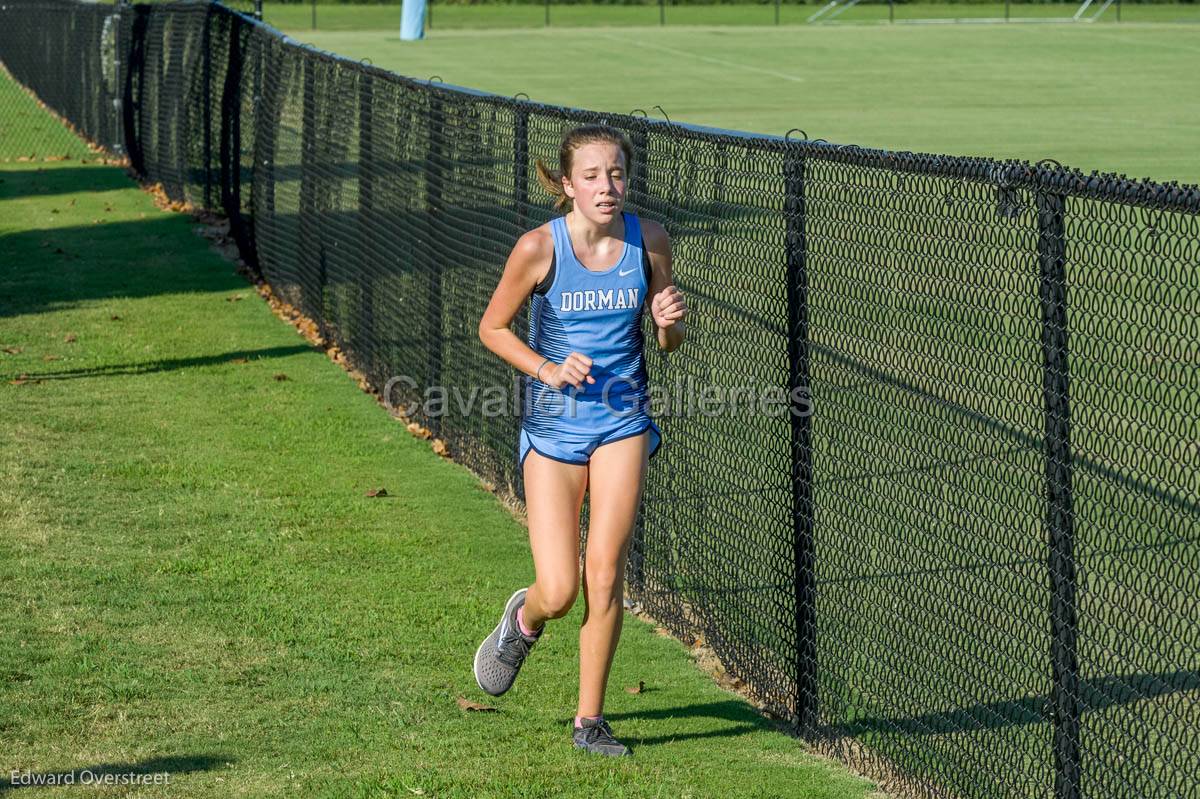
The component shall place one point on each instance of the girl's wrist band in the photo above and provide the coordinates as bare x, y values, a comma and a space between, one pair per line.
539, 369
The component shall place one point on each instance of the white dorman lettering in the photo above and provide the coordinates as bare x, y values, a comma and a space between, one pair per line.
590, 300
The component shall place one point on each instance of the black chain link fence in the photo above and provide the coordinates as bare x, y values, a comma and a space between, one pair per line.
972, 570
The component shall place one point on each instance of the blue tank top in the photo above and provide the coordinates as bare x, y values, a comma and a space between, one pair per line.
597, 313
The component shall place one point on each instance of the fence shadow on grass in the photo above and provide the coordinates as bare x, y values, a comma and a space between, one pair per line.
34, 180
746, 720
166, 364
132, 259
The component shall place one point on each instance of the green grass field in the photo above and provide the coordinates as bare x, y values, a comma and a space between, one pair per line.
1115, 98
929, 536
342, 16
933, 634
932, 595
193, 582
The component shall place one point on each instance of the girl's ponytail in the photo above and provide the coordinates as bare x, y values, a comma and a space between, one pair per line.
551, 181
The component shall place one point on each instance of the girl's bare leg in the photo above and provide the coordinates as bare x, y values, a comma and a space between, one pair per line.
616, 475
553, 500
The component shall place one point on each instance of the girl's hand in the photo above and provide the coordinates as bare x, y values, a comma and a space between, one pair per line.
573, 370
668, 307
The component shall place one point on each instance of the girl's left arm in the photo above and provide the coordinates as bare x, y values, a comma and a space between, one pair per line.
667, 304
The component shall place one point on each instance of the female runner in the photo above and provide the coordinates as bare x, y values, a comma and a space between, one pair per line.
590, 273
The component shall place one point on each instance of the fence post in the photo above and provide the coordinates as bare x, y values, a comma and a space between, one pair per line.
118, 57
231, 143
1060, 519
801, 439
131, 102
433, 205
641, 166
207, 99
368, 169
267, 108
257, 42
310, 243
521, 204
521, 165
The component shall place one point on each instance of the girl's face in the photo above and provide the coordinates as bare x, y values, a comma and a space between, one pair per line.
597, 181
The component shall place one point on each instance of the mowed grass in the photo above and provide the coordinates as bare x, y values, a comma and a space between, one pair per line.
192, 580
1113, 98
350, 16
929, 474
949, 517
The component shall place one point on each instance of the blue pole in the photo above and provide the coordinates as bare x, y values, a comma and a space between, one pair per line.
412, 20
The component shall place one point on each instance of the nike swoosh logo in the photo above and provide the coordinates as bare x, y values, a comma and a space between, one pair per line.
627, 272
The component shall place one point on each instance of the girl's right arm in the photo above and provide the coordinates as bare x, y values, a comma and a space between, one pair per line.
526, 267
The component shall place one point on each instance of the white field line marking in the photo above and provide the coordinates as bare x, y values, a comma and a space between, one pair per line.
710, 59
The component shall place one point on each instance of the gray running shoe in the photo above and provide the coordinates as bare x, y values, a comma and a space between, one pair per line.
501, 654
597, 737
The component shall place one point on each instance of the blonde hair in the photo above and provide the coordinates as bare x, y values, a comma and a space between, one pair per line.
573, 139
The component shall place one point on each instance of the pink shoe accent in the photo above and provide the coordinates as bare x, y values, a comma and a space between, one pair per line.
579, 719
521, 622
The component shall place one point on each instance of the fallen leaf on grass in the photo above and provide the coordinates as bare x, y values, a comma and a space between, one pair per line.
239, 360
377, 492
49, 357
12, 350
115, 317
234, 298
636, 689
281, 376
418, 430
440, 448
467, 704
70, 337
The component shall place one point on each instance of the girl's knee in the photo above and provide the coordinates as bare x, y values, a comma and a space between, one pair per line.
558, 599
